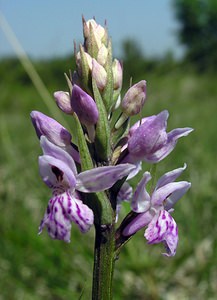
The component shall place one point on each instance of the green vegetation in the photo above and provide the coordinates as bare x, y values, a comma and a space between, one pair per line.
35, 267
197, 31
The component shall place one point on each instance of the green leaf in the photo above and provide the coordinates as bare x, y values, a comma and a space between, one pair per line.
92, 43
85, 70
102, 138
107, 95
86, 160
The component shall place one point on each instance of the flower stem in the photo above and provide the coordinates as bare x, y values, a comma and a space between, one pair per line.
103, 263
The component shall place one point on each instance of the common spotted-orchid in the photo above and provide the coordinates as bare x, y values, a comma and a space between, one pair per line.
88, 171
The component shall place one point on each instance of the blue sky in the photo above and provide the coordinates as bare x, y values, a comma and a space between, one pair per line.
47, 28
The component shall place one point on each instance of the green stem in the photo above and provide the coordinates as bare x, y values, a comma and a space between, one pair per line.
103, 263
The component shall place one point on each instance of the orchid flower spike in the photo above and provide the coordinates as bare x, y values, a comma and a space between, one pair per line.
154, 209
58, 171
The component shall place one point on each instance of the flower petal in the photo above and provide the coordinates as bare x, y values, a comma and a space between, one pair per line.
170, 177
102, 178
57, 152
84, 106
163, 228
176, 195
58, 226
178, 132
138, 168
141, 198
146, 120
177, 188
61, 211
161, 153
139, 222
172, 138
56, 173
149, 137
50, 128
80, 214
124, 194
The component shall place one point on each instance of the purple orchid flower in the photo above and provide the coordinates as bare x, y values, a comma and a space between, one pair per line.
153, 209
58, 171
54, 132
150, 141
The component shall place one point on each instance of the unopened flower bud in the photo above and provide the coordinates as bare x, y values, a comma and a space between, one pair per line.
84, 60
84, 69
98, 30
87, 57
99, 74
84, 106
63, 101
117, 74
134, 99
102, 55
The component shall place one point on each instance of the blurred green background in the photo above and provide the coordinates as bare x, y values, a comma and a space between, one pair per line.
33, 267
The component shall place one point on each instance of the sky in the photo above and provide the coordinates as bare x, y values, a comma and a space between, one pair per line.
48, 28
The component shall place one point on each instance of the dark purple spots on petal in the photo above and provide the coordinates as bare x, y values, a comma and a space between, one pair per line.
166, 247
171, 227
163, 216
167, 225
58, 173
158, 227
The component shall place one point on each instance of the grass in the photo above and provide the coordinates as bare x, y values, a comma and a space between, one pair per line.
35, 267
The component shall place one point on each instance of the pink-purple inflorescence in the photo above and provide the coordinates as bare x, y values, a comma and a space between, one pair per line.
105, 152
